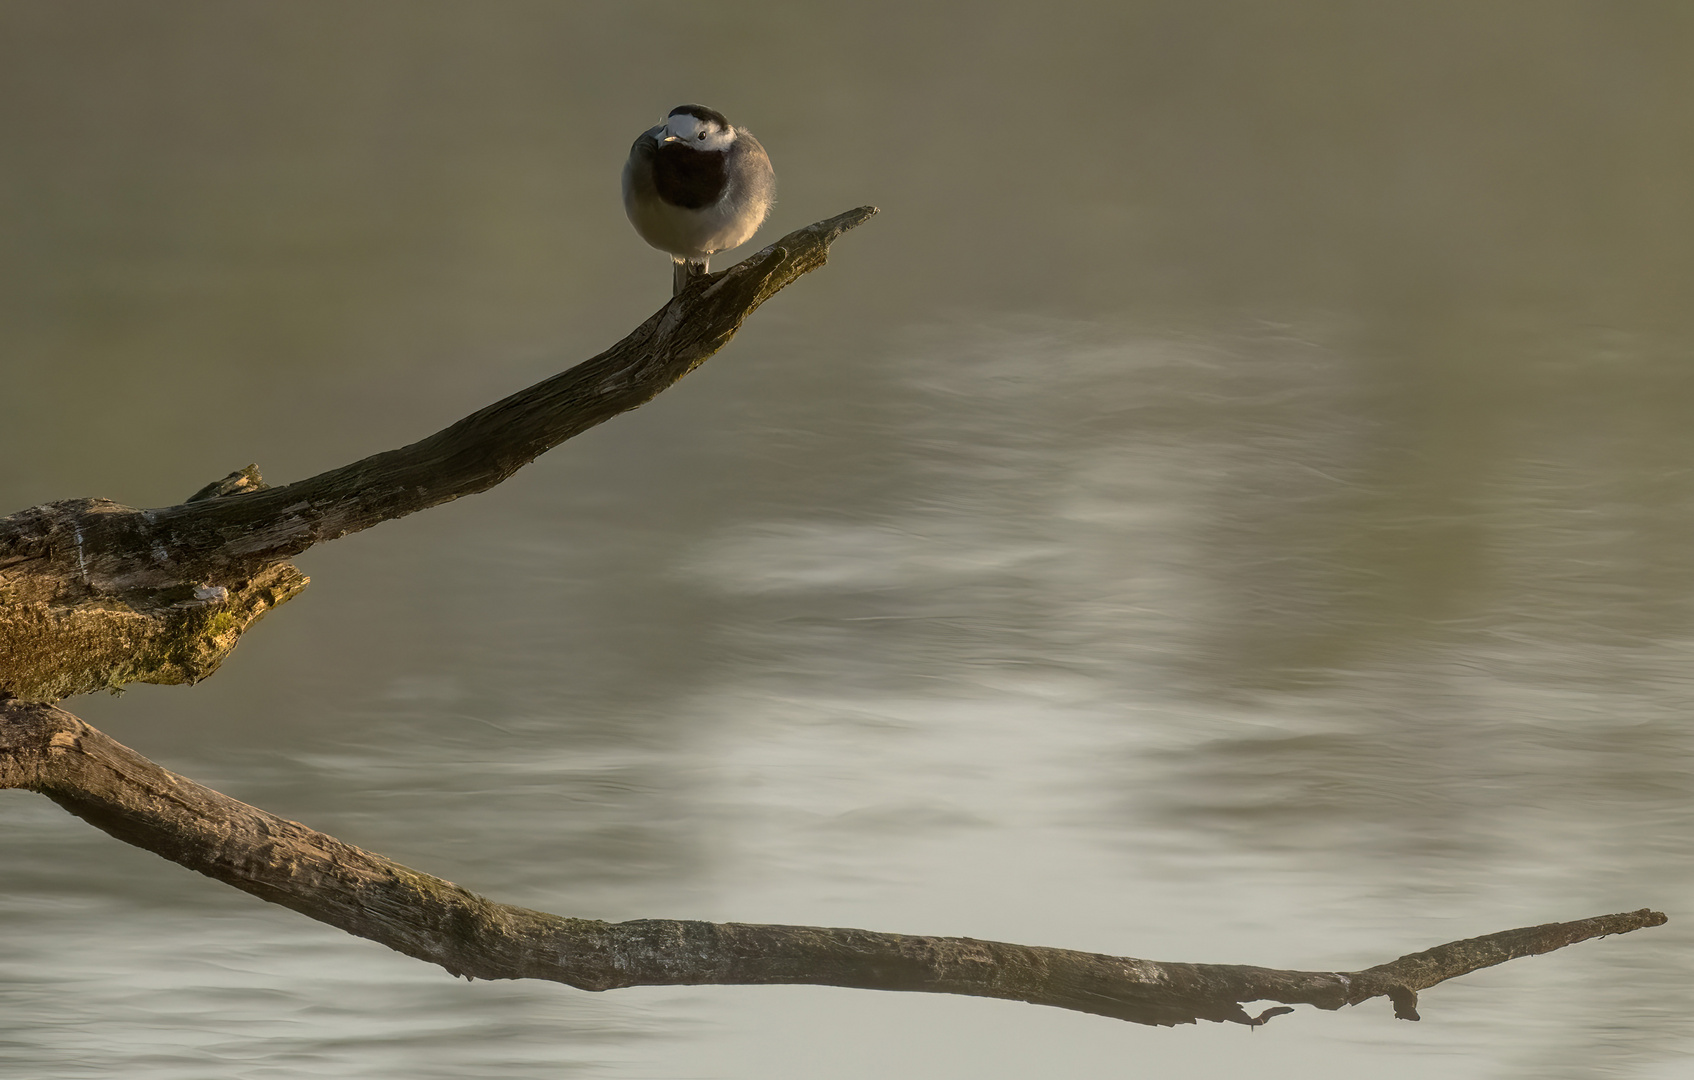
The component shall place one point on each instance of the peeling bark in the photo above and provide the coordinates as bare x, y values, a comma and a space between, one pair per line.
112, 787
94, 594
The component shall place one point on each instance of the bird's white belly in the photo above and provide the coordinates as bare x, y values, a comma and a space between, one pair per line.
691, 234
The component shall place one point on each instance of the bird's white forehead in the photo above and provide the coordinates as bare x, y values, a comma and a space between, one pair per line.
687, 126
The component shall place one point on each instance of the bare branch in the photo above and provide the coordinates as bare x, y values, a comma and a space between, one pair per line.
115, 789
94, 594
489, 445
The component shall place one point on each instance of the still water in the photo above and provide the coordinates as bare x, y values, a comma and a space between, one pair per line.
1233, 505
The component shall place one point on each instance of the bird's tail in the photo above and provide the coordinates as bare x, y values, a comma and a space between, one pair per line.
685, 273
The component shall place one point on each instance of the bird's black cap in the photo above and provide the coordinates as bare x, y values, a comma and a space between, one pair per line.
700, 112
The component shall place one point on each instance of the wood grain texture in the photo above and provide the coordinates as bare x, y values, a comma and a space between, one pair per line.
48, 750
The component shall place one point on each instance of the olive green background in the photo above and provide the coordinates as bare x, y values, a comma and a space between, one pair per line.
1233, 505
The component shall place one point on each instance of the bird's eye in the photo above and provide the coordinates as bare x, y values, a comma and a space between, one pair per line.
701, 136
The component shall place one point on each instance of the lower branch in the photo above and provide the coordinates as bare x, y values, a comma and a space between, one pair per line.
117, 790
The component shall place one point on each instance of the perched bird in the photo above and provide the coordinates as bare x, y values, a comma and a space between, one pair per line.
696, 185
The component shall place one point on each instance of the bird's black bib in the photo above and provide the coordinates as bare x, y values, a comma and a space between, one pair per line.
690, 178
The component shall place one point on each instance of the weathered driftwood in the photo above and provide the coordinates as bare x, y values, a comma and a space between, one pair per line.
94, 595
45, 749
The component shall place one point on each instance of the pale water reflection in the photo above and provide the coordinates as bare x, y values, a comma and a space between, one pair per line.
1268, 544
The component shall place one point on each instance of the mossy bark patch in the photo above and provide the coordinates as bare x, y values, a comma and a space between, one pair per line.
75, 619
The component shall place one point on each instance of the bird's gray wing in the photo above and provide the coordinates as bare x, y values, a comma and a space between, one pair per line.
638, 170
752, 183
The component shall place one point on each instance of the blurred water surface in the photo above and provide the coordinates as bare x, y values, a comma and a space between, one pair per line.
1232, 506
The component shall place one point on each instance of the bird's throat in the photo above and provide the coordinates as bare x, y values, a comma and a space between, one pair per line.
690, 178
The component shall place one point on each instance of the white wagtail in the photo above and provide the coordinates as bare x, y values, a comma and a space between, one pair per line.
696, 185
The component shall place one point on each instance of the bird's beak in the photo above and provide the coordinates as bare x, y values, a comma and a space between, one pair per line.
669, 138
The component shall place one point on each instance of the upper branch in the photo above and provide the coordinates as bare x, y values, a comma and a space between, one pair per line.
94, 594
492, 443
117, 790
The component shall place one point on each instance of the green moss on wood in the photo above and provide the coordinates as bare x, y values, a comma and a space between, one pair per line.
73, 621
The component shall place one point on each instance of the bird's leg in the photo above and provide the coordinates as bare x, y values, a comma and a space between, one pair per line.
685, 272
